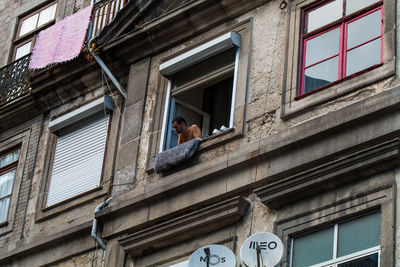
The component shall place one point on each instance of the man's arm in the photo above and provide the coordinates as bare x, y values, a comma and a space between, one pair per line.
196, 131
179, 139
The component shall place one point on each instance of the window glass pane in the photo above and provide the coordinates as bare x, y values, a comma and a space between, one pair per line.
28, 25
23, 50
4, 204
9, 158
321, 74
359, 234
363, 57
322, 46
356, 29
354, 5
368, 261
324, 15
313, 248
6, 183
47, 15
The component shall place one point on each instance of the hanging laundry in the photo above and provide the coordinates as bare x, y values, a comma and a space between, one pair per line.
61, 42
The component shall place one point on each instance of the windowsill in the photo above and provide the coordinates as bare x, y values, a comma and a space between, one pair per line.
68, 200
71, 203
209, 142
337, 89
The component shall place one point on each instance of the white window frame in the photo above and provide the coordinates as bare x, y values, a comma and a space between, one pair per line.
335, 261
193, 56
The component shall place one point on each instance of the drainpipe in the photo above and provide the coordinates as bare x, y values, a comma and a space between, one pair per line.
94, 225
92, 45
95, 236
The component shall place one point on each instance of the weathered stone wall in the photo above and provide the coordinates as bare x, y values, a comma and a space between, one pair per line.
264, 98
89, 259
262, 122
69, 218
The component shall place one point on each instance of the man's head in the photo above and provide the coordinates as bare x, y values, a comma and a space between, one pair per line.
179, 124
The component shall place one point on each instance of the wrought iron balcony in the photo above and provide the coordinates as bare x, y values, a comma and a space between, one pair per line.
103, 12
14, 80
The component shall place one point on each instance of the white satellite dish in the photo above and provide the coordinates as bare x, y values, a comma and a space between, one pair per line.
262, 250
216, 255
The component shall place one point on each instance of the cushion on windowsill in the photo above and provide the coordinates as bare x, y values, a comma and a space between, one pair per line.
172, 157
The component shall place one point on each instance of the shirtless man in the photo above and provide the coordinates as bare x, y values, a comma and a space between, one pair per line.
185, 133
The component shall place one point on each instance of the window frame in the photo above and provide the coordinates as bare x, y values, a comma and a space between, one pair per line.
7, 169
373, 194
196, 53
19, 41
73, 115
343, 259
294, 103
7, 145
244, 30
342, 24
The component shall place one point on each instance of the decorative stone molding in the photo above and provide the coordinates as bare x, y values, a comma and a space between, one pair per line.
343, 170
185, 226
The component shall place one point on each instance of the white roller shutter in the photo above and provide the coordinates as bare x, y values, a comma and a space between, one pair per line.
78, 160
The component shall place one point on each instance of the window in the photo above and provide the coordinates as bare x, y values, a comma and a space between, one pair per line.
351, 243
8, 168
29, 26
202, 87
336, 43
79, 152
229, 77
335, 47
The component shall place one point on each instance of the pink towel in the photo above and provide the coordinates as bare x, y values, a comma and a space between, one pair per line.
61, 42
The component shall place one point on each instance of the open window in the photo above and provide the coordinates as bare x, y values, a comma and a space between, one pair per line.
202, 85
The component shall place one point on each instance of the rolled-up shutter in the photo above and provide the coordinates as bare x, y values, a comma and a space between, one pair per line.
78, 160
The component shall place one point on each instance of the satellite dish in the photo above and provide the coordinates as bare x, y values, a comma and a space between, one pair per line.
216, 255
262, 250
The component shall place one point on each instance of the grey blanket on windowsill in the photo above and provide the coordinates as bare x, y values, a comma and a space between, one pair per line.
172, 157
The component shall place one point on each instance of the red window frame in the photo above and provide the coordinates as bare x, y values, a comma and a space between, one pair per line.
342, 24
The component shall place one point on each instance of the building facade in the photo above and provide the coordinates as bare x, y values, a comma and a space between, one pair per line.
297, 101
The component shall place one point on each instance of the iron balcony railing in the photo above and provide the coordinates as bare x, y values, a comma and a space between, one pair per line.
14, 80
103, 12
